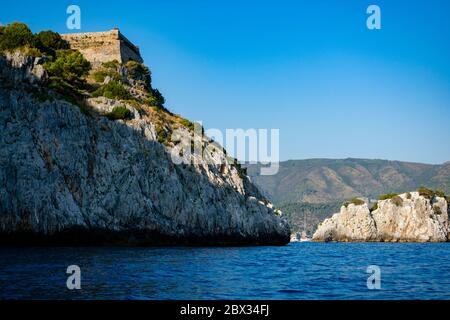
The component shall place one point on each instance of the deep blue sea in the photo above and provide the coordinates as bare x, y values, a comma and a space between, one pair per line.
295, 271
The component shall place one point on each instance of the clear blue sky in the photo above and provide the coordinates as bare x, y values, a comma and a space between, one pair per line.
312, 69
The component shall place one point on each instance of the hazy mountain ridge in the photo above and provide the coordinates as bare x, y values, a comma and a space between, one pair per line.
331, 180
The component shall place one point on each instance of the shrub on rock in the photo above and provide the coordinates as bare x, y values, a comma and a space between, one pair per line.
108, 69
138, 71
440, 193
112, 90
387, 196
437, 210
119, 113
430, 194
156, 99
426, 193
355, 201
397, 200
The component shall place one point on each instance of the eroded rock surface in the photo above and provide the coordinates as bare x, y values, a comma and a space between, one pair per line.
74, 178
413, 218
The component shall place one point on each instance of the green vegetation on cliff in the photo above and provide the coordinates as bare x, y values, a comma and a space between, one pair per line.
397, 200
119, 113
430, 194
108, 69
112, 90
67, 69
48, 42
15, 35
387, 196
70, 73
156, 99
67, 74
355, 201
139, 71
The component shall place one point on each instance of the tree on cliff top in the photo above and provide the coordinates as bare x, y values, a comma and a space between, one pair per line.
18, 35
67, 73
69, 65
48, 42
15, 35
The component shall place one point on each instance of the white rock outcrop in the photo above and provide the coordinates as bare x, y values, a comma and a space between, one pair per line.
353, 223
409, 218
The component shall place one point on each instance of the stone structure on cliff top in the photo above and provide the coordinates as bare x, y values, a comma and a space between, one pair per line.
99, 47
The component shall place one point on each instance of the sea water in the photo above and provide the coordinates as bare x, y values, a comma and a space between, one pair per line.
297, 271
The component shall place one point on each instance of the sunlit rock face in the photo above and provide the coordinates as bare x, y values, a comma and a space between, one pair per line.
416, 219
352, 223
408, 218
68, 177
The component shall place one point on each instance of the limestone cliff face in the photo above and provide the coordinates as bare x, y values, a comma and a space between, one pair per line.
353, 223
74, 178
414, 218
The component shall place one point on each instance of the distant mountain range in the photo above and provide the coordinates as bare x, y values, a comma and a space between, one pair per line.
331, 180
308, 191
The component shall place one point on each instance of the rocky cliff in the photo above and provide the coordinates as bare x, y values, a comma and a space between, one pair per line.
71, 175
408, 217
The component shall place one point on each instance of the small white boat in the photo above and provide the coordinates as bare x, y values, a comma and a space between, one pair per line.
294, 238
304, 237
